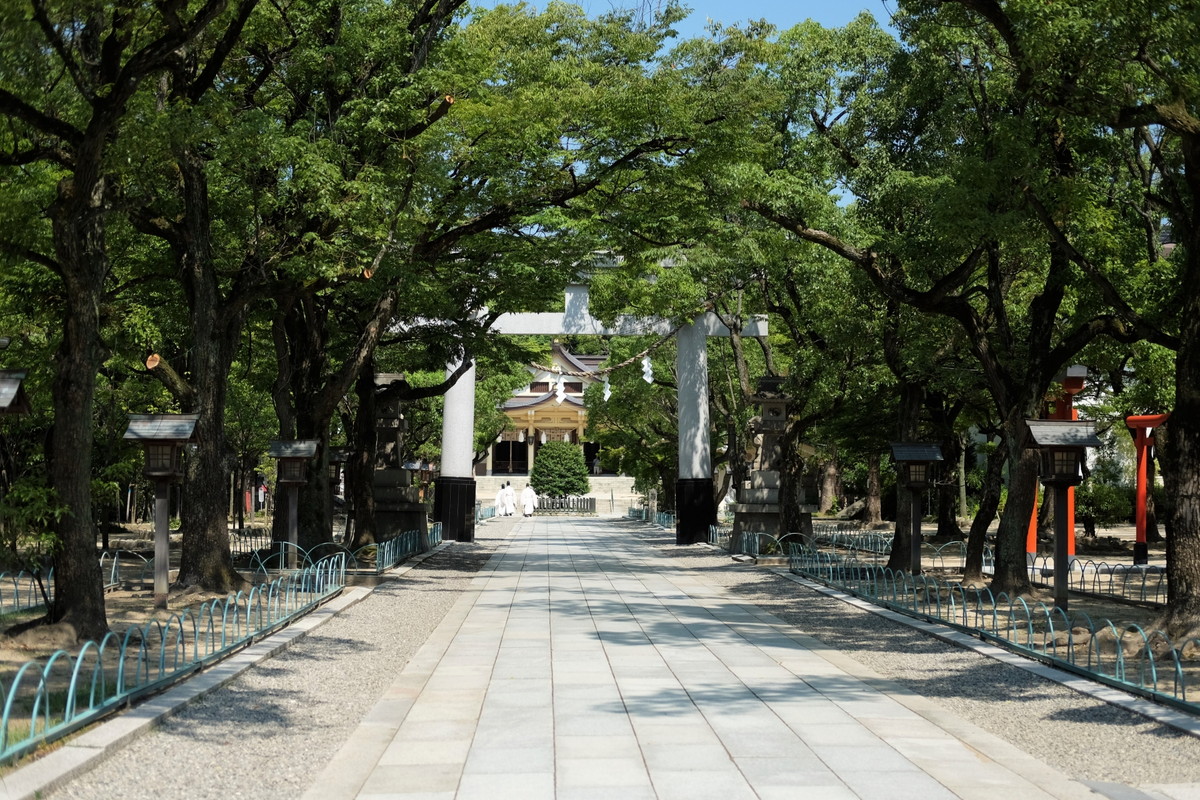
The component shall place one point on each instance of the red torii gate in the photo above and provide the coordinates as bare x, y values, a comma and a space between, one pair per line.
1142, 425
1063, 408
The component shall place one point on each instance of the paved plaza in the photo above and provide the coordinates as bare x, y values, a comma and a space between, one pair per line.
590, 658
583, 666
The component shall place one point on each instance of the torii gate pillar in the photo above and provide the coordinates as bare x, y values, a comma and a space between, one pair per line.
454, 488
695, 507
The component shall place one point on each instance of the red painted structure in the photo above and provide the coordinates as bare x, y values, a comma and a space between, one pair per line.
1062, 407
1142, 425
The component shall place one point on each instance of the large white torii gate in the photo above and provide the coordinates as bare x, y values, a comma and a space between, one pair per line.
695, 509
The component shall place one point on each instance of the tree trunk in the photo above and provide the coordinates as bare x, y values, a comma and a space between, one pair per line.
1179, 444
1045, 516
1012, 569
908, 425
216, 326
873, 517
205, 559
946, 489
830, 479
989, 502
79, 239
360, 463
307, 393
791, 479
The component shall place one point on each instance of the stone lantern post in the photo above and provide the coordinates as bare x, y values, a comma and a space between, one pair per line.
1062, 446
293, 456
164, 437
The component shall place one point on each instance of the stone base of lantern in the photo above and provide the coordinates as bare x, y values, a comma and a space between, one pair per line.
757, 509
398, 507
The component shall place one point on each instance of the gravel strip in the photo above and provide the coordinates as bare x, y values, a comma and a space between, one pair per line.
1085, 738
269, 733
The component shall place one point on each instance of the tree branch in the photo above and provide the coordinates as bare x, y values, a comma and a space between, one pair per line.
15, 107
179, 388
1111, 296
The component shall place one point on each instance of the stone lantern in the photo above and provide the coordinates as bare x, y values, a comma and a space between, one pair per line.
758, 509
916, 462
293, 457
163, 436
1062, 447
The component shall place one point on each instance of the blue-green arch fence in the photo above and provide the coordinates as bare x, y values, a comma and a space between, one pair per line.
45, 700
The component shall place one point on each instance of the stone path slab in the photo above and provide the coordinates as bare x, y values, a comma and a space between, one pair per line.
583, 666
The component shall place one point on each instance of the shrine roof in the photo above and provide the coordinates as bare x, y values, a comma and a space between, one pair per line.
530, 402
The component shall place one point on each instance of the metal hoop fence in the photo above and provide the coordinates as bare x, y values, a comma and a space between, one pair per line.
1122, 655
20, 591
375, 558
663, 519
1129, 582
46, 700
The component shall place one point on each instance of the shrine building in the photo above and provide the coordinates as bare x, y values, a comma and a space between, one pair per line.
549, 409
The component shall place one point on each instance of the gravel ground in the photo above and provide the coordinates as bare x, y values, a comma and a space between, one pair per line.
268, 734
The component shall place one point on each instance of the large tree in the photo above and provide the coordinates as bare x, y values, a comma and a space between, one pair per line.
1134, 99
489, 208
927, 142
71, 74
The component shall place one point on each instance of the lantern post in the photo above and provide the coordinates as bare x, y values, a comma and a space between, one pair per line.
163, 436
1062, 447
915, 462
293, 457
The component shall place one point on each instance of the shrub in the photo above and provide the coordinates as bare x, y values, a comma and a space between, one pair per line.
1103, 505
559, 470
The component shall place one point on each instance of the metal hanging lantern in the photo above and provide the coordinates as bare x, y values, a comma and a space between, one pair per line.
12, 392
916, 462
293, 457
337, 461
1062, 446
163, 436
163, 459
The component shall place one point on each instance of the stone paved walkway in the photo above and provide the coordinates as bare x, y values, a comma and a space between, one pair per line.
580, 666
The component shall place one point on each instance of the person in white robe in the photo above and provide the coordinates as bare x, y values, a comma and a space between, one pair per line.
499, 502
510, 500
529, 500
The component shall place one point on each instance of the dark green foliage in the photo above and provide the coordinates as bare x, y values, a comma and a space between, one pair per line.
1103, 504
559, 470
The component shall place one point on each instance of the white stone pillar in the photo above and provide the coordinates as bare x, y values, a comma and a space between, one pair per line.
691, 369
695, 508
454, 504
458, 425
